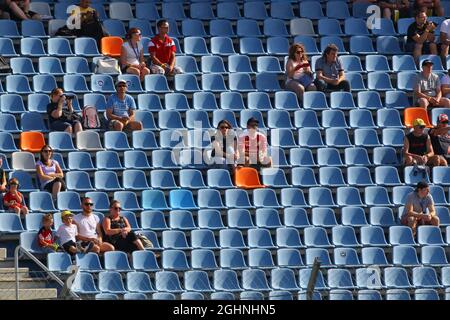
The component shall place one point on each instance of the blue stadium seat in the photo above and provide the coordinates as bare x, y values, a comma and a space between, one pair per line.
320, 254
32, 47
169, 119
430, 235
111, 282
203, 259
403, 63
102, 83
239, 218
162, 179
340, 279
192, 27
333, 119
404, 256
69, 200
182, 199
425, 277
116, 261
329, 27
331, 176
290, 258
181, 220
346, 257
397, 294
373, 236
88, 262
174, 260
212, 64
195, 46
277, 46
305, 275
329, 157
386, 28
226, 280
7, 48
373, 256
114, 27
22, 65
254, 279
84, 284
355, 27
86, 47
231, 238
433, 256
156, 83
316, 237
107, 181
311, 10
197, 280
387, 176
426, 294
388, 45
174, 239
153, 220
251, 46
260, 258
379, 81
10, 223
401, 235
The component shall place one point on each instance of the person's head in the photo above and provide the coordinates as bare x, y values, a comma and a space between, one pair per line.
421, 17
56, 94
331, 53
419, 126
87, 204
297, 52
252, 123
121, 86
66, 217
163, 27
422, 189
13, 184
134, 34
224, 126
46, 153
442, 120
427, 66
85, 3
47, 221
1, 161
114, 208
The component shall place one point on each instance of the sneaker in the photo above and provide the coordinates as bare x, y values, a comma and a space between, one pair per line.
89, 247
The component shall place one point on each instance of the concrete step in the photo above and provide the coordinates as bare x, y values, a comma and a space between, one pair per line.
27, 283
28, 294
9, 273
2, 254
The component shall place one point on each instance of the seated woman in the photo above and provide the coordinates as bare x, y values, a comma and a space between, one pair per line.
117, 230
13, 199
224, 143
299, 76
60, 113
132, 55
18, 10
49, 173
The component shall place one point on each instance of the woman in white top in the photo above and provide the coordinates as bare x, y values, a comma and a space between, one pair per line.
132, 55
298, 71
49, 173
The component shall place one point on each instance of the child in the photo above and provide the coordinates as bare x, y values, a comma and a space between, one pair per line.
67, 233
13, 199
2, 177
46, 238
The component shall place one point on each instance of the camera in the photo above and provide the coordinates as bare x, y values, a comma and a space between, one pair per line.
431, 25
68, 97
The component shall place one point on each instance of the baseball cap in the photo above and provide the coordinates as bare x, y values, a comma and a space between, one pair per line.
427, 61
442, 118
418, 122
66, 213
120, 82
252, 120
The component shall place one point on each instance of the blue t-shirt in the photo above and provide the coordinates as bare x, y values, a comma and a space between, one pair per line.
120, 107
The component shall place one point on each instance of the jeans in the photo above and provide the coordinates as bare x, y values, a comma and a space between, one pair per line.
321, 85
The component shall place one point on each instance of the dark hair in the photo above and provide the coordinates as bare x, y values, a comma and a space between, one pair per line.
54, 91
161, 22
46, 146
84, 199
421, 185
130, 33
113, 203
329, 48
420, 10
224, 121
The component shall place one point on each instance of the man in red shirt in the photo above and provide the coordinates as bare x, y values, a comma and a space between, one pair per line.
162, 51
253, 146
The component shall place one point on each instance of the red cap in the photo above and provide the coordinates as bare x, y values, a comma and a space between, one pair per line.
442, 117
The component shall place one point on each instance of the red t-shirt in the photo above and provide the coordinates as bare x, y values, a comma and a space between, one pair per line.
45, 236
17, 197
162, 50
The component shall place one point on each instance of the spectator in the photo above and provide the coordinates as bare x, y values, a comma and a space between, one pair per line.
417, 149
13, 199
420, 37
444, 33
395, 9
67, 233
299, 77
419, 208
46, 238
89, 228
427, 89
162, 51
431, 7
445, 85
440, 139
120, 110
118, 231
224, 146
329, 71
49, 173
18, 10
2, 177
253, 146
132, 55
60, 112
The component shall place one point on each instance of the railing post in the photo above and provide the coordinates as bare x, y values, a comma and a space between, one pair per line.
312, 279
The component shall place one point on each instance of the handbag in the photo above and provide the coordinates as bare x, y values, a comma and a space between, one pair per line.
108, 65
145, 241
4, 66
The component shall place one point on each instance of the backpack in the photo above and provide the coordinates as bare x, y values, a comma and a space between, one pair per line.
108, 66
90, 118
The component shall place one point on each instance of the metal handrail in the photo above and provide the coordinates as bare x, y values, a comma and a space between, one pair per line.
312, 279
42, 266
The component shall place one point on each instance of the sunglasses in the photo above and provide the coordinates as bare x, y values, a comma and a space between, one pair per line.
298, 52
117, 208
224, 127
421, 127
47, 151
122, 85
90, 204
13, 184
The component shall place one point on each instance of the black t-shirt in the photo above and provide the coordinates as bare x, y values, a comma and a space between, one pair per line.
417, 145
441, 143
66, 114
230, 139
413, 29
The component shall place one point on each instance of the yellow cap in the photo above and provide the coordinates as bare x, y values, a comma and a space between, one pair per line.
419, 122
66, 213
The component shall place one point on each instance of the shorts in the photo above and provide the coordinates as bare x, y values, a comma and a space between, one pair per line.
419, 223
409, 47
49, 186
67, 245
61, 125
112, 122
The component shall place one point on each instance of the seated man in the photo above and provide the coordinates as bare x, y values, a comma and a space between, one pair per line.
419, 208
431, 7
120, 110
417, 149
427, 89
440, 139
253, 146
395, 9
420, 36
330, 72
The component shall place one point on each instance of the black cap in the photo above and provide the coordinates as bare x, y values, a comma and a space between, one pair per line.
427, 61
252, 120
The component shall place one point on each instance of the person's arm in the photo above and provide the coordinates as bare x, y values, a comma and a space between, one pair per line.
406, 149
430, 151
217, 149
320, 76
109, 111
424, 37
57, 113
41, 174
431, 210
152, 51
59, 173
172, 61
290, 70
107, 228
236, 149
128, 226
445, 87
142, 58
443, 38
123, 58
418, 91
410, 211
341, 76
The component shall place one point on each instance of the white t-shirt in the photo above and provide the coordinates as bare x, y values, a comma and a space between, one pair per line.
445, 27
67, 233
132, 53
446, 81
87, 225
